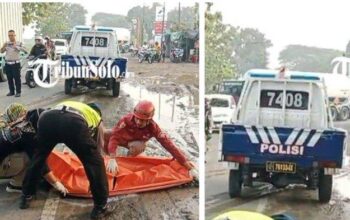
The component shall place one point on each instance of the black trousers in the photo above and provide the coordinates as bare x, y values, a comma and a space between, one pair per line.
13, 72
55, 126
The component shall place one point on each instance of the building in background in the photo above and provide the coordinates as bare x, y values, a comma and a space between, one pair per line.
10, 18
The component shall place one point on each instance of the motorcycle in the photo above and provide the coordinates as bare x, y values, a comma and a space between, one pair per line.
29, 76
176, 55
145, 55
155, 56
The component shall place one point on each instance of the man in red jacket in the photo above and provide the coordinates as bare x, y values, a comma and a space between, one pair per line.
134, 129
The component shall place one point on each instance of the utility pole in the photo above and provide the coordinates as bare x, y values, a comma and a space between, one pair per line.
142, 22
162, 37
179, 22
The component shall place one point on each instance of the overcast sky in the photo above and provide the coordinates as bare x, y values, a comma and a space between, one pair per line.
324, 24
120, 7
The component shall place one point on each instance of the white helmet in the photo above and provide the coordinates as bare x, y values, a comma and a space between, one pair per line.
39, 38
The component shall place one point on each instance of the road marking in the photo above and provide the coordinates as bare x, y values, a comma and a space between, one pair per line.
50, 207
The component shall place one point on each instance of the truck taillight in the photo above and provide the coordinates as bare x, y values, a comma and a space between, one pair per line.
237, 159
327, 164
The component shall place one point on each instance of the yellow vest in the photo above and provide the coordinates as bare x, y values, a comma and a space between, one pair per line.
242, 215
92, 118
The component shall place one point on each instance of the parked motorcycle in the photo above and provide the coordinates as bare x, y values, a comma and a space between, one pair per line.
29, 76
176, 55
145, 55
155, 56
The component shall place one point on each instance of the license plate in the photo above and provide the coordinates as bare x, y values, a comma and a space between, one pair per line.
280, 167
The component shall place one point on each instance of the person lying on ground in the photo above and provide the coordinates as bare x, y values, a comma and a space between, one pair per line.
18, 136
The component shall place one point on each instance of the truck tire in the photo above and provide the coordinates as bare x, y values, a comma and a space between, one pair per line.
344, 113
68, 86
235, 183
334, 113
115, 88
325, 187
2, 76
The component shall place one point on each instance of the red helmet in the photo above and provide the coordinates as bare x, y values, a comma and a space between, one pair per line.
144, 110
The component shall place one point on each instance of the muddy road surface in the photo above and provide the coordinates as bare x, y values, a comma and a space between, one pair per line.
295, 200
174, 90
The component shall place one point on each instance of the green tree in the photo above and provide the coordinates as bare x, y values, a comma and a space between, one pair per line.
53, 18
147, 15
218, 49
188, 18
33, 11
111, 20
250, 50
76, 15
303, 58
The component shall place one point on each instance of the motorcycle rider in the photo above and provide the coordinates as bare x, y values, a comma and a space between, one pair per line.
39, 49
76, 124
158, 50
134, 130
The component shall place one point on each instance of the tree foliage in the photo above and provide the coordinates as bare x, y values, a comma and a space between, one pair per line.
250, 50
303, 58
111, 20
53, 18
188, 18
218, 49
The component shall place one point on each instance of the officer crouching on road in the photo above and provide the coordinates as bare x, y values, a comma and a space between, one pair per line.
133, 131
74, 124
12, 63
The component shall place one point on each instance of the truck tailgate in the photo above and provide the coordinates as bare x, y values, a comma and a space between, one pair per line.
74, 61
303, 146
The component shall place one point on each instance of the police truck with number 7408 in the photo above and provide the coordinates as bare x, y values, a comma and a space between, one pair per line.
283, 134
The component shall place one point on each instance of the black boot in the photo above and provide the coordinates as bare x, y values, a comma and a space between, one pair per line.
98, 212
25, 200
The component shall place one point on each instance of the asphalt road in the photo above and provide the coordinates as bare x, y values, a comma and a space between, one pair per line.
299, 202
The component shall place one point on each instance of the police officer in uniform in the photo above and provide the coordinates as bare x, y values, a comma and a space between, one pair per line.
74, 124
12, 63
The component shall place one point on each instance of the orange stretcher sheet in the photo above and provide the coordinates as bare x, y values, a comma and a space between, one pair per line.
136, 174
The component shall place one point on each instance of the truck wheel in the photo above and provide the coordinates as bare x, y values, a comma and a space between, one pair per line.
325, 187
235, 183
2, 76
344, 113
115, 88
68, 86
334, 113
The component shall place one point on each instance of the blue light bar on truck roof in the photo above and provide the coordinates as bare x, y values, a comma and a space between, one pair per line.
104, 29
304, 77
262, 75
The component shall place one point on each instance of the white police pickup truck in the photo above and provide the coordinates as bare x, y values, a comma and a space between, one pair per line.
93, 60
282, 134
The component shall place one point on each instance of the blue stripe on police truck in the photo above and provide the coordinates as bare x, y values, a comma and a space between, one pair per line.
298, 137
